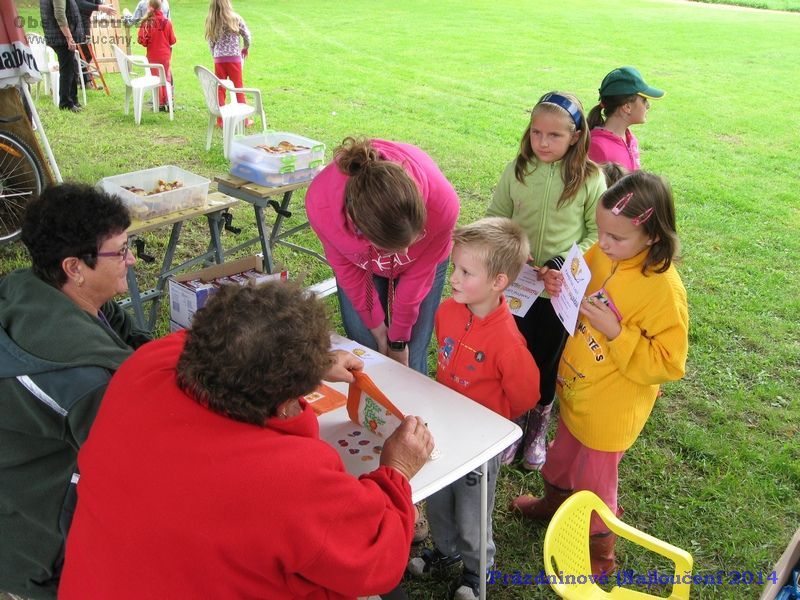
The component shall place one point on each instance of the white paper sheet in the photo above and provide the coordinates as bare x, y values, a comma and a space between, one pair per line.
370, 357
521, 294
576, 279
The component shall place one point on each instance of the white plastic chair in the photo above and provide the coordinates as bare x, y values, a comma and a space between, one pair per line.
39, 50
232, 114
137, 86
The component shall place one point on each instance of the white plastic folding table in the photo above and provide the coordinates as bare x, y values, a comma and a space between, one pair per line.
467, 435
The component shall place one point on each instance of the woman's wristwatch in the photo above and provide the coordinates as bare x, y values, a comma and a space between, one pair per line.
397, 346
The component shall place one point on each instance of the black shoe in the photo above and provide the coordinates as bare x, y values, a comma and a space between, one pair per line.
430, 561
72, 108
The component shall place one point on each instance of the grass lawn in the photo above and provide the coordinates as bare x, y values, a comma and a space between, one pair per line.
717, 468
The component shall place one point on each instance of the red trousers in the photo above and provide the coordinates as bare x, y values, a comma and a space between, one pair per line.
161, 59
232, 71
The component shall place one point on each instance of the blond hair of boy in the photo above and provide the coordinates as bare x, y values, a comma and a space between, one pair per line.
499, 242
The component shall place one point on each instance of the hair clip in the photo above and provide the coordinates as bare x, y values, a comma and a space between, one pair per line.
622, 203
642, 218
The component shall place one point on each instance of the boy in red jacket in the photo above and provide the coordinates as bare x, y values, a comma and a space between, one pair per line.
156, 34
482, 355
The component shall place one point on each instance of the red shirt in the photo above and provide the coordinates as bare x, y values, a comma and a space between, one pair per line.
156, 34
486, 359
176, 501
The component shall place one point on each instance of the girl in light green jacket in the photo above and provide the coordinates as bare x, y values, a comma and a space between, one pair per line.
551, 189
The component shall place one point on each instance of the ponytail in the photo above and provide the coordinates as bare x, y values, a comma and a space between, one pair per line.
595, 117
380, 197
607, 106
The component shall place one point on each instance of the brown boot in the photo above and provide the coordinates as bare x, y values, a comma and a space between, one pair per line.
601, 552
544, 507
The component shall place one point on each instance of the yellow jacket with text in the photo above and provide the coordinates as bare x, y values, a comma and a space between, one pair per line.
607, 389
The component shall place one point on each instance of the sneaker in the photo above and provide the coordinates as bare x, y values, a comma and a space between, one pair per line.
72, 108
430, 561
249, 122
469, 587
535, 448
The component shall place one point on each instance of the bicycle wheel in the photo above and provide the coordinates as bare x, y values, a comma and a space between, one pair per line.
21, 179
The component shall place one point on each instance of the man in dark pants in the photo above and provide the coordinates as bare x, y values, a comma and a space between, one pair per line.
63, 31
87, 9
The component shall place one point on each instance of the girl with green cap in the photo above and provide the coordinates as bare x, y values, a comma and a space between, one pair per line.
624, 101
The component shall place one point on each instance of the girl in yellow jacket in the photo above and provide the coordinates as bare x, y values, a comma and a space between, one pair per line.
631, 337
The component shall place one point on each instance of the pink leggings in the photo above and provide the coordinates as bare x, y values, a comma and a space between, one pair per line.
572, 466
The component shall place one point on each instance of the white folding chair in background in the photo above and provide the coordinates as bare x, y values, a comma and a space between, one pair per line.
234, 113
39, 50
47, 65
137, 86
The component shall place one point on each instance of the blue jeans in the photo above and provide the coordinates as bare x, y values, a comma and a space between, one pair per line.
422, 330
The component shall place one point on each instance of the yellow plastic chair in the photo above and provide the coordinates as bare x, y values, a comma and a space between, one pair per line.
566, 552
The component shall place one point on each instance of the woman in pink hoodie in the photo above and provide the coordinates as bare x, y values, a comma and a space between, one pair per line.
385, 214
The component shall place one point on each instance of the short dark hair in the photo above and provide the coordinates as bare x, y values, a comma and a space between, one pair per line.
252, 348
70, 219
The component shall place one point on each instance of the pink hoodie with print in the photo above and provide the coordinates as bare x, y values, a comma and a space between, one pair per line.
354, 259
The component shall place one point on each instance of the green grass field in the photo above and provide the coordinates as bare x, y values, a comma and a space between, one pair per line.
717, 468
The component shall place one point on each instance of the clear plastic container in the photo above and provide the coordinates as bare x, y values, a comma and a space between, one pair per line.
244, 150
193, 192
257, 174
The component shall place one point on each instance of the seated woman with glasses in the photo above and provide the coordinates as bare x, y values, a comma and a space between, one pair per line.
62, 336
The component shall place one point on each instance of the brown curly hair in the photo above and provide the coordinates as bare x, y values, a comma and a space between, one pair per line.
252, 348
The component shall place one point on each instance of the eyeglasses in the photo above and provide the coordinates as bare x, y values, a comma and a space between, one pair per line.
122, 253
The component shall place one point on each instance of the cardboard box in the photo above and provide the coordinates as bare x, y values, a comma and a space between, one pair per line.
783, 568
185, 299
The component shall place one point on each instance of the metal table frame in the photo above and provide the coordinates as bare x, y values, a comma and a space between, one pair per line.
261, 197
214, 211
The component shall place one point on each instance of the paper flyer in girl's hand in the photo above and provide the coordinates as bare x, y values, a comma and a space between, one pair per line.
576, 277
521, 294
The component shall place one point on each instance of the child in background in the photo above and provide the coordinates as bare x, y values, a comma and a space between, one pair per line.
613, 172
223, 29
624, 101
483, 356
551, 190
156, 34
140, 11
631, 337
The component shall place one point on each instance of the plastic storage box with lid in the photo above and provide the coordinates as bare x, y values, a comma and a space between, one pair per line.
192, 192
245, 150
257, 174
